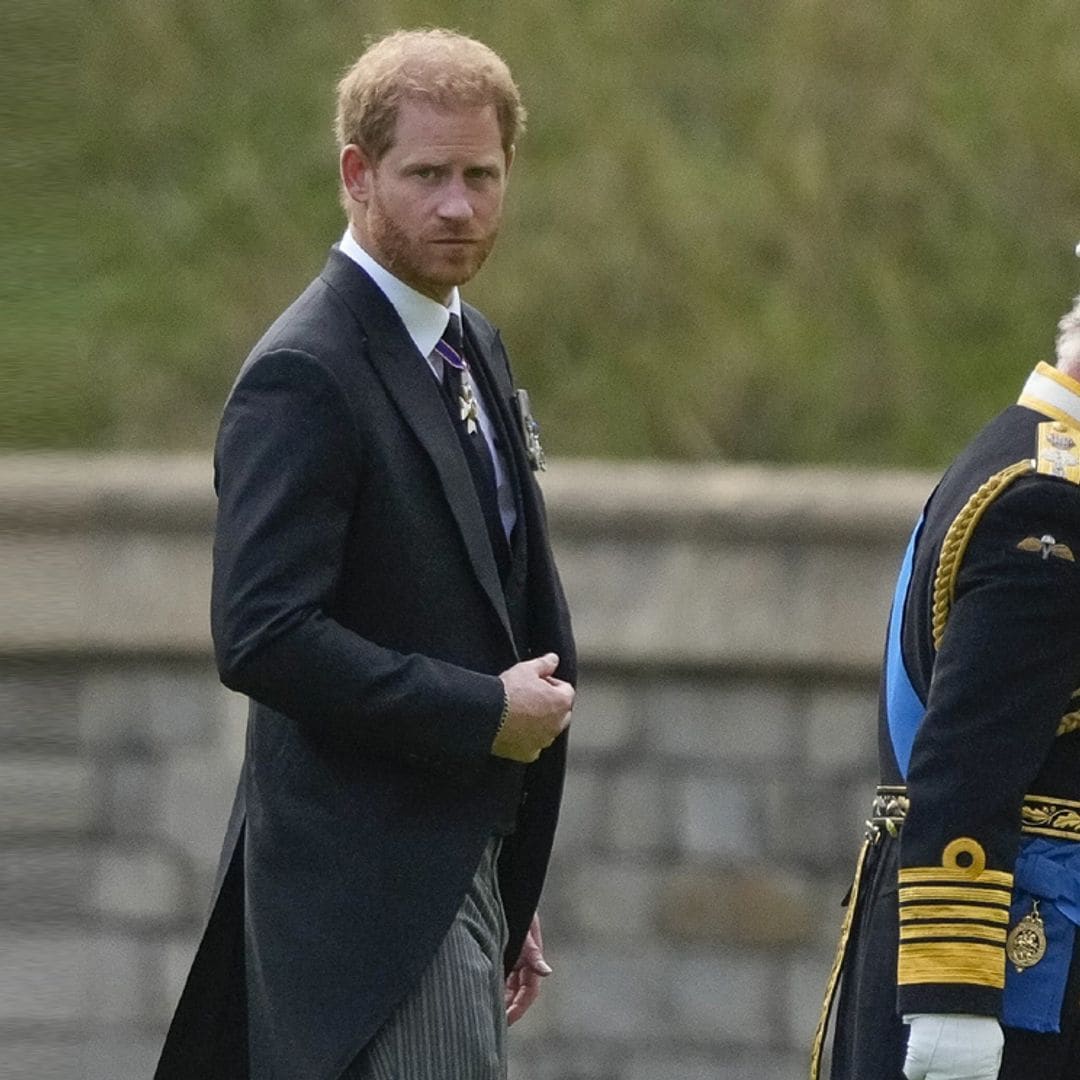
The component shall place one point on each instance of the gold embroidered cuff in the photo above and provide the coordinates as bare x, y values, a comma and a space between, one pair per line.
953, 919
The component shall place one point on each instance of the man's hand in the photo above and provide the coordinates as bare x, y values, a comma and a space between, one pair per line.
948, 1046
538, 709
523, 982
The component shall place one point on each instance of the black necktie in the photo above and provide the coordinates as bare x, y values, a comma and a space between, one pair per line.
460, 400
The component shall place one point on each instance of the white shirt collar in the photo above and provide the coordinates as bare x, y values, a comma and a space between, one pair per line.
425, 319
1052, 393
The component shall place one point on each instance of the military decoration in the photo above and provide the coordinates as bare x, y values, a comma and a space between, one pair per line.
1026, 944
530, 431
467, 403
1047, 546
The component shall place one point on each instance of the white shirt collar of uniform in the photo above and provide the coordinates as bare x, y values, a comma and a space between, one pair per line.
425, 319
1052, 393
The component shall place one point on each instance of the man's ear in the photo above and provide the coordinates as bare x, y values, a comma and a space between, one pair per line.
509, 159
356, 173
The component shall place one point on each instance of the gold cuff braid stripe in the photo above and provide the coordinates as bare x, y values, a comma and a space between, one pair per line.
951, 962
954, 911
954, 930
959, 536
956, 894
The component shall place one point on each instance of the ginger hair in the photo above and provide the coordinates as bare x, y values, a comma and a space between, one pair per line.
437, 66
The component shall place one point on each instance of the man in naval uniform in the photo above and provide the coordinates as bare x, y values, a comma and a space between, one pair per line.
384, 592
959, 954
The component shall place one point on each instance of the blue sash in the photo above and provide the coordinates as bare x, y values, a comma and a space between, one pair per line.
903, 708
1047, 871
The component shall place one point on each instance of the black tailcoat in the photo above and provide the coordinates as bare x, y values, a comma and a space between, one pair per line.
357, 602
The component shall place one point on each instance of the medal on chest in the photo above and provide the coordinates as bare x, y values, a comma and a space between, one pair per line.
467, 404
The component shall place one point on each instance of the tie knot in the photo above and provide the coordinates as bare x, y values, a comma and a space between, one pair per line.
450, 346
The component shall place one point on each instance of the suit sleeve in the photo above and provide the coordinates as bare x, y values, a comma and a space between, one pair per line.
1007, 666
287, 468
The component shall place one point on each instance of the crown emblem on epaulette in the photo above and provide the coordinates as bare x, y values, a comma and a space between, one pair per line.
1058, 436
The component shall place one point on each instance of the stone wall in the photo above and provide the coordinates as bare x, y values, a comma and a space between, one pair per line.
730, 624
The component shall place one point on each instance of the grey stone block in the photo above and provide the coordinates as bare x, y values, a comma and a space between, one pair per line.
616, 900
723, 998
713, 721
764, 1065
604, 717
800, 820
138, 884
37, 1059
121, 981
145, 708
43, 977
46, 793
38, 705
575, 1059
639, 814
582, 818
196, 796
842, 728
132, 790
678, 1065
805, 978
717, 816
620, 994
756, 906
121, 1054
673, 1065
44, 882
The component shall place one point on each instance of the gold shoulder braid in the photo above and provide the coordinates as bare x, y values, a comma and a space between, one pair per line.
959, 536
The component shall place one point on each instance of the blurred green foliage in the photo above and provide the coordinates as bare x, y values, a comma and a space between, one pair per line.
787, 230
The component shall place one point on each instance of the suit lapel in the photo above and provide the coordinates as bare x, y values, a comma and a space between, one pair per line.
416, 394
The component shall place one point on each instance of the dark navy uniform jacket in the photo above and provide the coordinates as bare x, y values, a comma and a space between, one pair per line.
980, 720
358, 603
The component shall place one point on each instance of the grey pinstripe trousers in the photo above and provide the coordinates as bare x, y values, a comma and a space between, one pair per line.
452, 1024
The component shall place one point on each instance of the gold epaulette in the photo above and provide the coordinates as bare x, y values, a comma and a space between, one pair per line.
1058, 452
959, 536
954, 919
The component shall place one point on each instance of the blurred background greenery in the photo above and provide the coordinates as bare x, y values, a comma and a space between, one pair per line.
783, 230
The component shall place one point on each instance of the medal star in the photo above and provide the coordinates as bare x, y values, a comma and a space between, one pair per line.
467, 403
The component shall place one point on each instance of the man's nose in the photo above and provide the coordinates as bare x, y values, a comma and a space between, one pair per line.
455, 204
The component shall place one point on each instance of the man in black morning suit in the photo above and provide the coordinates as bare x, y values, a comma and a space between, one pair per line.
960, 956
399, 627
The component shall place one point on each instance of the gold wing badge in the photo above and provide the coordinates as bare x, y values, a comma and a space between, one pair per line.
1047, 546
